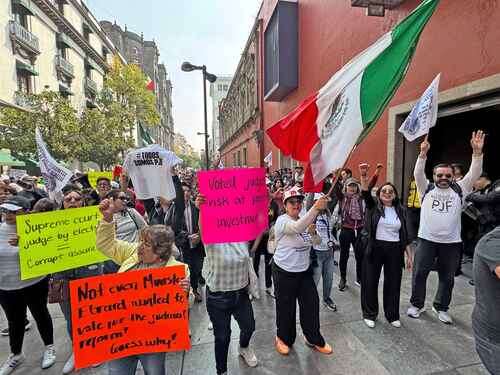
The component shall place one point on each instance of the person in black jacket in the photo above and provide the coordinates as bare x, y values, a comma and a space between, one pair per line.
171, 213
386, 240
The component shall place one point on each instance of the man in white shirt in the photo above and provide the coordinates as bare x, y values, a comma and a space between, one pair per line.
440, 224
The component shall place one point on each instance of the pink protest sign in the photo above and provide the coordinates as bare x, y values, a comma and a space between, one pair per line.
237, 204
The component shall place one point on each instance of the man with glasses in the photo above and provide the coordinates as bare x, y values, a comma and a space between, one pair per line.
440, 224
103, 187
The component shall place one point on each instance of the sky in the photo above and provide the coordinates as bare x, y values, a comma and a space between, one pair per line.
210, 32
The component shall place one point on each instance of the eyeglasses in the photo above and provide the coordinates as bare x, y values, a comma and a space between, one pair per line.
387, 191
441, 175
70, 198
295, 201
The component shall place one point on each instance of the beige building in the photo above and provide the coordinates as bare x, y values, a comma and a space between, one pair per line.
56, 45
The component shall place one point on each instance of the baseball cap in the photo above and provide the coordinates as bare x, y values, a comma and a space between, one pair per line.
16, 203
293, 192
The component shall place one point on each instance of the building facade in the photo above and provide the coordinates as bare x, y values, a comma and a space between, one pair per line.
218, 91
145, 53
305, 48
51, 45
240, 120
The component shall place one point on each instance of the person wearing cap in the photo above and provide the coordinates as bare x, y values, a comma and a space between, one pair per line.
352, 213
387, 242
17, 295
293, 275
323, 252
73, 198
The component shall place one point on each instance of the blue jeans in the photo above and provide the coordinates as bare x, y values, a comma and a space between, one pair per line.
153, 364
221, 306
324, 270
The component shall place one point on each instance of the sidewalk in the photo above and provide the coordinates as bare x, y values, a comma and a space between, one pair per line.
423, 346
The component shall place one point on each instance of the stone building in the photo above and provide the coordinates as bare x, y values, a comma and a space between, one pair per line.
218, 91
146, 54
52, 45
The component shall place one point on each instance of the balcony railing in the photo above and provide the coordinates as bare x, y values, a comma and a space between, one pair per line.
24, 37
65, 66
21, 99
90, 86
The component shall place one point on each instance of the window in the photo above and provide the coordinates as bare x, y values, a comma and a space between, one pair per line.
225, 87
239, 158
219, 87
281, 70
88, 72
22, 19
234, 160
60, 6
245, 156
24, 82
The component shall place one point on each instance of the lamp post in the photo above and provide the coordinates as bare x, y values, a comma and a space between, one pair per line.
188, 67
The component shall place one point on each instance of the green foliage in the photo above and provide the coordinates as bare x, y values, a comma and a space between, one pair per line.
55, 118
192, 161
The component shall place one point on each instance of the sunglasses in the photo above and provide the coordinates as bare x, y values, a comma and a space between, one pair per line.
295, 201
71, 198
441, 175
387, 191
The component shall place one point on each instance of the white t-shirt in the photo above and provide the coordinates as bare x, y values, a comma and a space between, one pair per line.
440, 213
292, 250
149, 169
388, 226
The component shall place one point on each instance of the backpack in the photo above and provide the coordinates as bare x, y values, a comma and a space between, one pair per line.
454, 186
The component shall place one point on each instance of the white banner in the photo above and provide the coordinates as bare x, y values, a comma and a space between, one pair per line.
269, 159
55, 175
423, 116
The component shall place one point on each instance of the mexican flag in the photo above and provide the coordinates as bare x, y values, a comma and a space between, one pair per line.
323, 130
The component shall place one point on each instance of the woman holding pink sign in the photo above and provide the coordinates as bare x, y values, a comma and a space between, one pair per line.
293, 274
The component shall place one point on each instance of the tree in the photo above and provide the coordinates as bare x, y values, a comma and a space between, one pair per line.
186, 152
55, 118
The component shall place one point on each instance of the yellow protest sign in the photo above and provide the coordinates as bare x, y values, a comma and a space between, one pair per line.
55, 241
93, 176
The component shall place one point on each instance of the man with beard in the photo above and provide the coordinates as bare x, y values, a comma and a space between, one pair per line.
440, 225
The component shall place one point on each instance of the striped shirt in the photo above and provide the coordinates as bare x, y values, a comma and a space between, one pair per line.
226, 266
10, 274
324, 230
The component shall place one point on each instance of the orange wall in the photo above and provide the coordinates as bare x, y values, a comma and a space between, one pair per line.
462, 41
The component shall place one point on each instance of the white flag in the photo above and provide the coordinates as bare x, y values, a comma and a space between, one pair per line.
269, 159
423, 116
55, 175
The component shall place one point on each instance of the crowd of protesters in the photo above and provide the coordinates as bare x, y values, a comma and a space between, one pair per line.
420, 232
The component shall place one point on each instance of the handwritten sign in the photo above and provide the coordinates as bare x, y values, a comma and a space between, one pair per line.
93, 176
55, 241
236, 206
137, 312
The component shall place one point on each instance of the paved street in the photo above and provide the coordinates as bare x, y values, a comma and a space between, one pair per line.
423, 346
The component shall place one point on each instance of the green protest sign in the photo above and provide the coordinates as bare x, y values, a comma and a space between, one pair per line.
55, 241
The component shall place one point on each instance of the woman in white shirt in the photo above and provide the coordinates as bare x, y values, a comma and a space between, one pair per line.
293, 275
385, 239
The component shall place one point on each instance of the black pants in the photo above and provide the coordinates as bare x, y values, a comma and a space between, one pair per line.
290, 287
389, 256
15, 302
448, 256
262, 250
221, 306
194, 259
347, 238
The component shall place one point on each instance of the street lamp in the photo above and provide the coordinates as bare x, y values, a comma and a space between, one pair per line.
188, 67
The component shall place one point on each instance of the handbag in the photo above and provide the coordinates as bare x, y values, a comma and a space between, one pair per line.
58, 290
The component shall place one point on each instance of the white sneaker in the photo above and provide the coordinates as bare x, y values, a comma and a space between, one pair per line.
443, 316
210, 326
69, 366
249, 356
369, 323
414, 312
11, 363
49, 356
396, 323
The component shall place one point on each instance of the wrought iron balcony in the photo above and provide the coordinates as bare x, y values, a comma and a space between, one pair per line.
90, 87
22, 100
64, 66
24, 38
